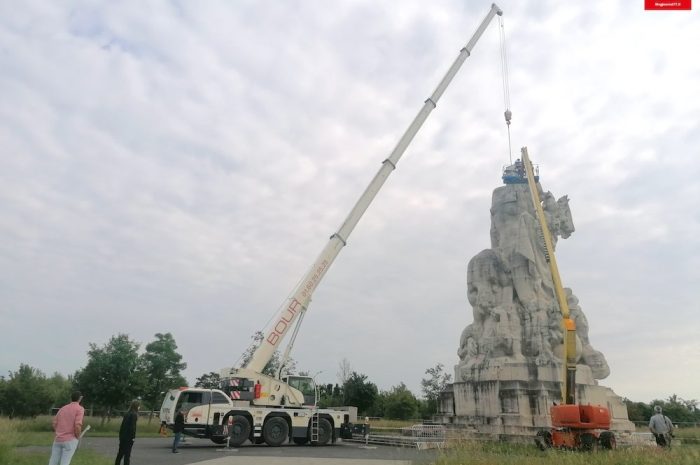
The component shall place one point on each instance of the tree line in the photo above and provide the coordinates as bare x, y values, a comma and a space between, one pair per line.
677, 409
118, 372
115, 374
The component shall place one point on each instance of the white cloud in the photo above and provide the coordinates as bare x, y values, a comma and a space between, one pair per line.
177, 167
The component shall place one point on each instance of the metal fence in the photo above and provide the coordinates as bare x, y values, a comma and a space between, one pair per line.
425, 432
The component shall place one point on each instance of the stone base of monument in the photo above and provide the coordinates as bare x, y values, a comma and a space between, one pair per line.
510, 398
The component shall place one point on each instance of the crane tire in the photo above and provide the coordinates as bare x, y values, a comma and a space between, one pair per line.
239, 430
325, 432
275, 431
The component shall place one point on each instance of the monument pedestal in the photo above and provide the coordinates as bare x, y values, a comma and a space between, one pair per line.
505, 396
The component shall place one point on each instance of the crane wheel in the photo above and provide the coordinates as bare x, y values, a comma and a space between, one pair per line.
275, 431
239, 430
325, 432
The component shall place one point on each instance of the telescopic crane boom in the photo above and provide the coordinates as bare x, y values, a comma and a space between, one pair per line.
569, 384
301, 295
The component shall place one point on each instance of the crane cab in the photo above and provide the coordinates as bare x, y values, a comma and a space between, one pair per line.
305, 385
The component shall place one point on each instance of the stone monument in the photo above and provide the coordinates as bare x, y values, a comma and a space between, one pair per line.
510, 366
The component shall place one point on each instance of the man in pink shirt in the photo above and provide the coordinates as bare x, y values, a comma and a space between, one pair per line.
67, 424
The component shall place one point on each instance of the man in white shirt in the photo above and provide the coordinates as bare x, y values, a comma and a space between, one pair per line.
661, 427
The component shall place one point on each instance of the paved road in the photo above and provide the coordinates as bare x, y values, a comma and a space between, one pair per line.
156, 451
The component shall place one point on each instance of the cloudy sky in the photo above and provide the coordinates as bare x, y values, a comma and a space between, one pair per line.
177, 166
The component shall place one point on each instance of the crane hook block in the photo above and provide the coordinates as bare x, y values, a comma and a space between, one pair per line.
508, 114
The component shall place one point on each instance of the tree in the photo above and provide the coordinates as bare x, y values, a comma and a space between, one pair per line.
400, 403
209, 380
359, 392
677, 409
273, 364
26, 393
59, 388
344, 371
113, 375
162, 365
638, 411
3, 387
330, 395
434, 385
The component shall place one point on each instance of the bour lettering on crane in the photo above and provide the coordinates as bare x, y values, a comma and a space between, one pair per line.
294, 305
286, 318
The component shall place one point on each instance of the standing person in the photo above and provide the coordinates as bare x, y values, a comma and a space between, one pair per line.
661, 427
178, 429
127, 433
68, 423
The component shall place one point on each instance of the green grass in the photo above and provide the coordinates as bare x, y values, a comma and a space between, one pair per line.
16, 435
493, 453
688, 435
389, 423
110, 428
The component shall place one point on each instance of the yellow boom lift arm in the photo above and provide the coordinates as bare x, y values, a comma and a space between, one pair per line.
569, 326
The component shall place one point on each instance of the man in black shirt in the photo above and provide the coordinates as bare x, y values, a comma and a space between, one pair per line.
178, 429
127, 433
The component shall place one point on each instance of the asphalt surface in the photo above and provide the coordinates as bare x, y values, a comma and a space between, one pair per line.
157, 451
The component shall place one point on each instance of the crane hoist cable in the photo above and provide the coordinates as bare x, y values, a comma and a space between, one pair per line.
504, 76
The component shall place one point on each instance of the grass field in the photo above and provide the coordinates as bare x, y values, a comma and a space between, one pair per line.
491, 453
15, 435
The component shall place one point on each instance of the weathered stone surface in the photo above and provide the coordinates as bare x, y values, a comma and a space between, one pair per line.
510, 357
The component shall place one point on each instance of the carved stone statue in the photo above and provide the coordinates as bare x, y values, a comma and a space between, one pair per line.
511, 355
510, 289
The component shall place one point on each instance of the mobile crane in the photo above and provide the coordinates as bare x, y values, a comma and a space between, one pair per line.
574, 426
260, 408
